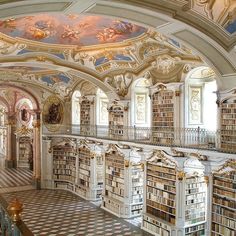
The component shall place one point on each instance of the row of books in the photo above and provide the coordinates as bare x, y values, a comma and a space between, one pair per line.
221, 200
161, 200
63, 171
224, 211
161, 180
161, 214
195, 228
162, 174
64, 177
225, 231
84, 177
63, 166
165, 169
229, 185
223, 220
224, 192
160, 193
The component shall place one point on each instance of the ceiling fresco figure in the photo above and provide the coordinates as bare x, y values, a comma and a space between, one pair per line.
70, 29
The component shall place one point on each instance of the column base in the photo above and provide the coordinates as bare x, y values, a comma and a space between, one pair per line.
37, 183
9, 164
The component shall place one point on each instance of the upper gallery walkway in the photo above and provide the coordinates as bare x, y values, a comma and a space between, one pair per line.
159, 136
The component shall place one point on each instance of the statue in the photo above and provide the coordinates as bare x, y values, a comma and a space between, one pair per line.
24, 115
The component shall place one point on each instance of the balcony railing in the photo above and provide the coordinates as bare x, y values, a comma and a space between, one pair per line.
8, 227
176, 137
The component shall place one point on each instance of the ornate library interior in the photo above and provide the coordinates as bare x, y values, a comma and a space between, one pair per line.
118, 117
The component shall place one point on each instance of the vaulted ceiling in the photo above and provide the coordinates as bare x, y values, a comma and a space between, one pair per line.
54, 45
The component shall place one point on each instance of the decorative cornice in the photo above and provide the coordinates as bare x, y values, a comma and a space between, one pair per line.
228, 167
159, 156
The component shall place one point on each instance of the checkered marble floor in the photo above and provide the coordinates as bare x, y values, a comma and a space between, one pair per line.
15, 177
59, 212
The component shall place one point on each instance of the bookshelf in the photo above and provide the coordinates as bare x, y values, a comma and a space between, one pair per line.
90, 172
160, 208
123, 185
163, 102
175, 195
228, 125
64, 165
86, 115
116, 121
195, 204
25, 153
224, 200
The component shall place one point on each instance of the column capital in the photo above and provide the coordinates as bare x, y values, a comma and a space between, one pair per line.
11, 118
36, 124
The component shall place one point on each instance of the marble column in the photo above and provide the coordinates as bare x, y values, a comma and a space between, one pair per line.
37, 150
10, 161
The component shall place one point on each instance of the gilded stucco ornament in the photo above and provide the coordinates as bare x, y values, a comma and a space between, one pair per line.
114, 148
24, 131
10, 49
165, 64
181, 175
120, 83
218, 11
228, 167
160, 156
126, 163
177, 153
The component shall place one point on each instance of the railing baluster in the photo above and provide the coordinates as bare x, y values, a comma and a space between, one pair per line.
183, 137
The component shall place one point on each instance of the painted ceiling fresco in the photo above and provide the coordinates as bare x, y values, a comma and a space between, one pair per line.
70, 29
23, 68
55, 79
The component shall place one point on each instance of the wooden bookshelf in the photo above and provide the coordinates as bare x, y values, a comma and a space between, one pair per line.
116, 121
228, 125
163, 116
160, 195
195, 194
85, 116
123, 186
64, 165
224, 200
90, 173
175, 195
25, 153
195, 205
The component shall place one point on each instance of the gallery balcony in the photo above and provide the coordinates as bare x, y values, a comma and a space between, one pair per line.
197, 138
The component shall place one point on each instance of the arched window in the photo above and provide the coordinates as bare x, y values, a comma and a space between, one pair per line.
200, 102
76, 107
102, 104
140, 115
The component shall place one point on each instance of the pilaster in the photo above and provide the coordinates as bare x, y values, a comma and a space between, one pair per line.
209, 181
37, 150
10, 161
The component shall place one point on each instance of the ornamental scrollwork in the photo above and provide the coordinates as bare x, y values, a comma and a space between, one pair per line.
120, 83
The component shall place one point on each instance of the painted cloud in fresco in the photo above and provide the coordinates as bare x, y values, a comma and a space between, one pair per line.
70, 29
55, 79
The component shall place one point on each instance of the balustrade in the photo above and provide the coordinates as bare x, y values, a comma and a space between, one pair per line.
177, 137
